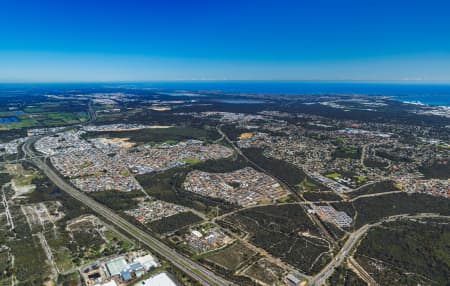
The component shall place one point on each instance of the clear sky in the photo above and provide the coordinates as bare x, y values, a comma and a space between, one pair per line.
131, 40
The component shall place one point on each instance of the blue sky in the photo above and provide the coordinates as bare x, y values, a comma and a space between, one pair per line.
133, 40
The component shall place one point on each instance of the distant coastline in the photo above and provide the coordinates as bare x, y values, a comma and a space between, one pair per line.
437, 94
436, 100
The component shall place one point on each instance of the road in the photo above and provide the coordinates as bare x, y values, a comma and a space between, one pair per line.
328, 270
282, 182
191, 268
196, 271
374, 195
257, 167
354, 237
363, 155
9, 219
361, 272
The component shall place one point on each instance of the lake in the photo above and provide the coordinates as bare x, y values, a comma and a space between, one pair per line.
9, 119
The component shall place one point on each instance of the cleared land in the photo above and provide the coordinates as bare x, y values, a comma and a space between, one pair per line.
232, 257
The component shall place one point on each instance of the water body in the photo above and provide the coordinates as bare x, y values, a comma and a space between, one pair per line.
437, 93
440, 100
241, 101
9, 119
429, 93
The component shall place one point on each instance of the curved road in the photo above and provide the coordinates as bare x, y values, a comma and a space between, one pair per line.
196, 271
326, 272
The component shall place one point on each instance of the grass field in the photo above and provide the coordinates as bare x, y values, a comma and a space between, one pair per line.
232, 257
333, 176
192, 161
63, 118
22, 123
44, 119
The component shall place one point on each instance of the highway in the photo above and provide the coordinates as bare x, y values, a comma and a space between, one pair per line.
191, 268
196, 271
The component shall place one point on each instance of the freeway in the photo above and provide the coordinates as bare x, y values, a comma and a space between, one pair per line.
196, 271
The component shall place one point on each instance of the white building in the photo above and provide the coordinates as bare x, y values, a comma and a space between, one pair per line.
160, 279
148, 261
110, 283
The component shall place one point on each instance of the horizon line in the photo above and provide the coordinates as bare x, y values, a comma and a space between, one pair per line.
390, 81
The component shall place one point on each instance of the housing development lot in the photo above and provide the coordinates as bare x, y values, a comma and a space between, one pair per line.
94, 165
149, 211
243, 187
188, 187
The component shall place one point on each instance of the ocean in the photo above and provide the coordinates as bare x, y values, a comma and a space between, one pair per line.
428, 93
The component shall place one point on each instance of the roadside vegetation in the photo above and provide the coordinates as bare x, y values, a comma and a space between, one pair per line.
286, 232
378, 187
373, 209
408, 252
344, 276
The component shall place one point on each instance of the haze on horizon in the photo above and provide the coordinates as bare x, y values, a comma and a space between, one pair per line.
65, 41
